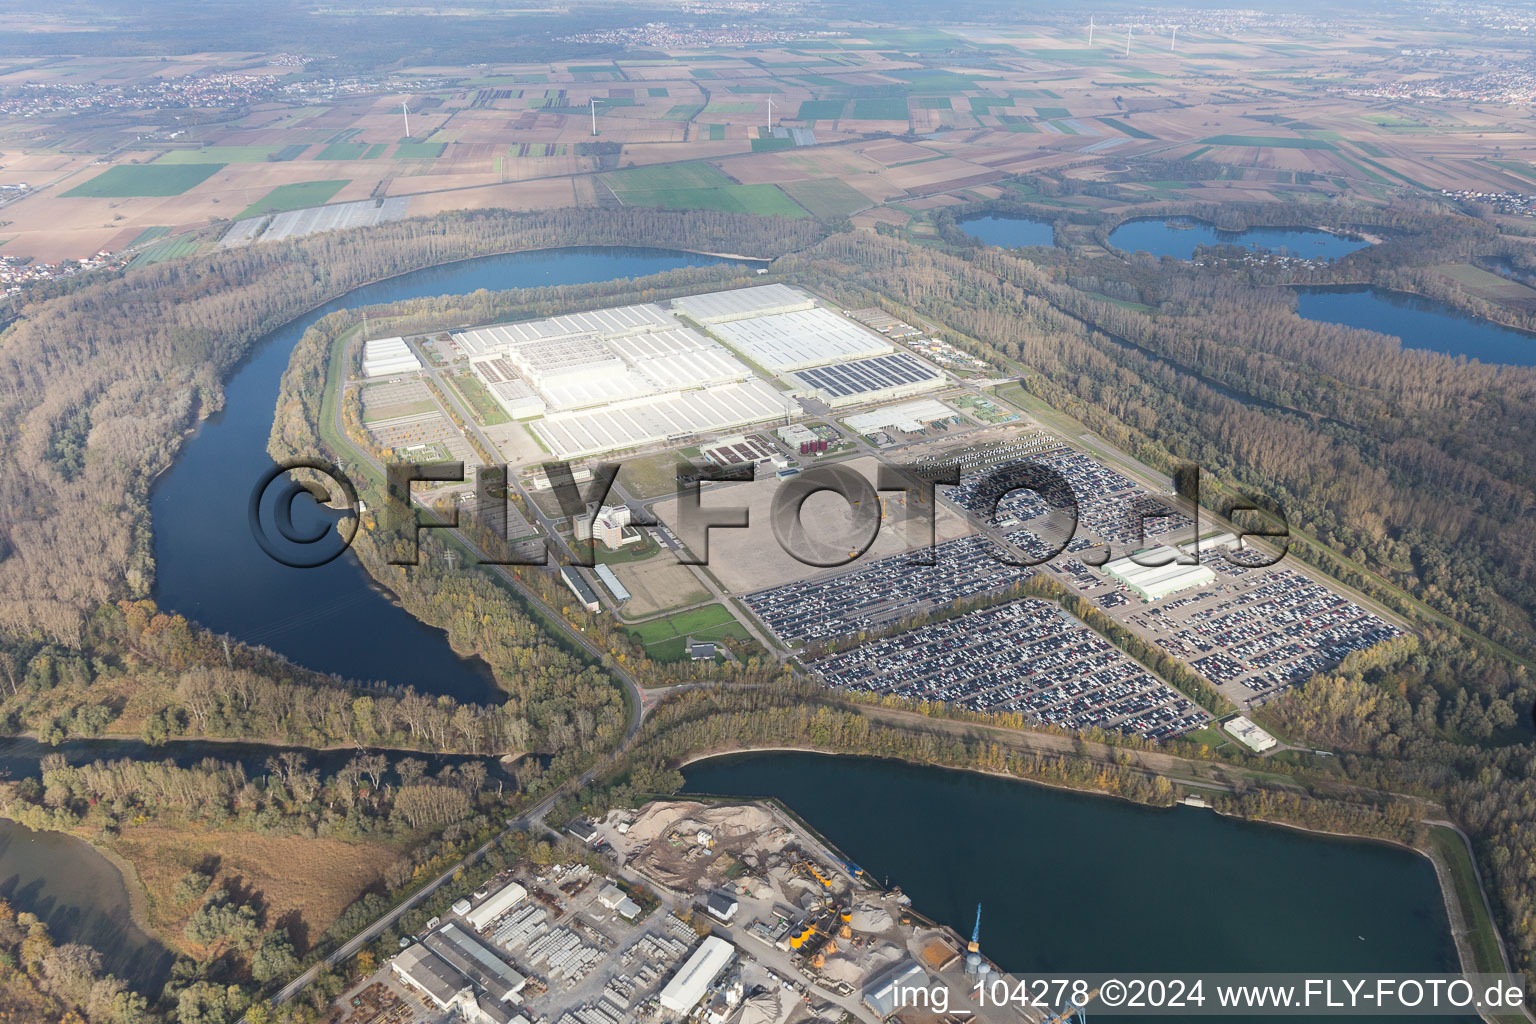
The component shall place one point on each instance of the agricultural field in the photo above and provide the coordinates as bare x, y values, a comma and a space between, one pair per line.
128, 180
884, 131
293, 197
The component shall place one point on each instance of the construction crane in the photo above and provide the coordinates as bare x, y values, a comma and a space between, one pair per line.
1076, 1014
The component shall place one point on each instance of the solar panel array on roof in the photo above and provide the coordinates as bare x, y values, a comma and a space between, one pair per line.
890, 376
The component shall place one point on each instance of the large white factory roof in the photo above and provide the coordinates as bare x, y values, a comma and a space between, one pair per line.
1157, 581
693, 979
570, 435
908, 416
606, 322
720, 307
383, 357
806, 337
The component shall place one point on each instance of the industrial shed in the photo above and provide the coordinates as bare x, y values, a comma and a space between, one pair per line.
909, 416
693, 979
740, 303
876, 379
1152, 582
385, 357
806, 337
498, 903
571, 435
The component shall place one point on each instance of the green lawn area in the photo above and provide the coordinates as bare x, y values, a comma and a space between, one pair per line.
293, 197
821, 110
485, 408
664, 637
884, 108
1272, 141
1467, 893
222, 155
827, 198
419, 150
127, 180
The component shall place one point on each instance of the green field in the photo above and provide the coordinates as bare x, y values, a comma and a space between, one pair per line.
771, 144
827, 198
293, 197
733, 108
821, 110
693, 174
419, 150
1271, 141
126, 180
1121, 126
170, 249
657, 90
664, 638
930, 80
763, 200
1052, 112
227, 155
344, 151
934, 103
884, 108
485, 408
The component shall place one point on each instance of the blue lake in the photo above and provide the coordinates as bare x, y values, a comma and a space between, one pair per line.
1420, 323
1162, 238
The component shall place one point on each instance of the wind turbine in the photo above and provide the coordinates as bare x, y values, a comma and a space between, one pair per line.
594, 114
1174, 41
770, 113
1127, 42
405, 112
1090, 30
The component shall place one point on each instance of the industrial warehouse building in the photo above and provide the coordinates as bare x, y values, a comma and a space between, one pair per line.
618, 590
693, 979
498, 903
580, 587
670, 417
884, 996
385, 357
742, 303
806, 337
455, 970
911, 417
876, 379
1153, 582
